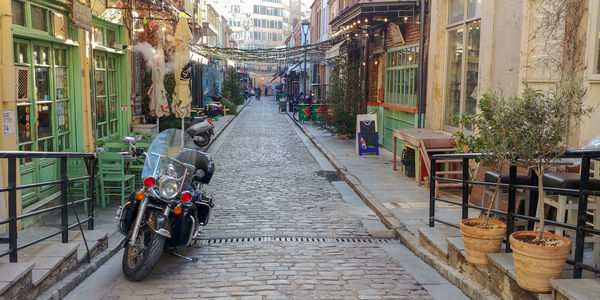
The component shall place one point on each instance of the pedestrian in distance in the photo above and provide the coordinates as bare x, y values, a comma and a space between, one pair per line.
257, 93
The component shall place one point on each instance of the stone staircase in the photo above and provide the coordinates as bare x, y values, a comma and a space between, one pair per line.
499, 276
43, 264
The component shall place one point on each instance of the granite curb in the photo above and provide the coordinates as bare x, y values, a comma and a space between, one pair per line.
470, 288
61, 288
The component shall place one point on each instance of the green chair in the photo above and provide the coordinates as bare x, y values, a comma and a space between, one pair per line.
114, 147
112, 177
77, 190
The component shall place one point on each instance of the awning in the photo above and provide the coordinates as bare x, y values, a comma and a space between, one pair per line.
371, 10
334, 51
198, 58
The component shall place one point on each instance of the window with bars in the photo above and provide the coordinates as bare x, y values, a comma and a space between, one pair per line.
401, 75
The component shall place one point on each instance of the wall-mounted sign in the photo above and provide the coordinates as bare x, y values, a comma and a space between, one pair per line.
396, 34
8, 120
82, 15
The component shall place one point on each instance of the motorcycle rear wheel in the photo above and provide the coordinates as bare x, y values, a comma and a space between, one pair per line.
139, 261
205, 142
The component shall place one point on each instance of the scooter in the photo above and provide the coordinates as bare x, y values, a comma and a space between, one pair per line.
201, 130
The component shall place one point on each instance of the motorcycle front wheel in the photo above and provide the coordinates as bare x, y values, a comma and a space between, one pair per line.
140, 259
205, 141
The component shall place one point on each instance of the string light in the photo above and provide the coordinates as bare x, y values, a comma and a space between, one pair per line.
405, 19
385, 20
366, 20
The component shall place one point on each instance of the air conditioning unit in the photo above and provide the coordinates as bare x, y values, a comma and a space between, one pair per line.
22, 84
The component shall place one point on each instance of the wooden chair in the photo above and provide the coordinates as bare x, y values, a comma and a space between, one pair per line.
112, 177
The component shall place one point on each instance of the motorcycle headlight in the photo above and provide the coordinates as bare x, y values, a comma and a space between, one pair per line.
168, 187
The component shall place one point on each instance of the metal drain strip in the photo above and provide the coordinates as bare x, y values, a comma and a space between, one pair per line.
299, 239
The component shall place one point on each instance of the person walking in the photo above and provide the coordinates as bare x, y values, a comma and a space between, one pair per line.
257, 93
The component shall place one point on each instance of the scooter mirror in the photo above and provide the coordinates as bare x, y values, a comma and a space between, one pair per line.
129, 140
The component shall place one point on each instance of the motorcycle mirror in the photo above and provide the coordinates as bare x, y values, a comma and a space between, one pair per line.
129, 140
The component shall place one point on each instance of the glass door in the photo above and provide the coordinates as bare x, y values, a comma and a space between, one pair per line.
42, 111
106, 96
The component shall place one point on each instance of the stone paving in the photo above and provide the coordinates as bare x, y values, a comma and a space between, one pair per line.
266, 184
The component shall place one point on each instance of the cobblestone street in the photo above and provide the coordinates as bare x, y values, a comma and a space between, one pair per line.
279, 231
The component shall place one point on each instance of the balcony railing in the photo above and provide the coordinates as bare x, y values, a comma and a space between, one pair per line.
582, 193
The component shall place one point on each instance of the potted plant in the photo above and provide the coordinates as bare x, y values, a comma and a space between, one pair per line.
539, 129
483, 235
100, 146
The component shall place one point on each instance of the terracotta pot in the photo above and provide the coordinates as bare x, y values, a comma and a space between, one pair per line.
536, 265
479, 241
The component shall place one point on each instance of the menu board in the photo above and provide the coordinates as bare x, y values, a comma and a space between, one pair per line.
367, 137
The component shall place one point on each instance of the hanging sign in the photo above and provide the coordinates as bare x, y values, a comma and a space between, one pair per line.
367, 138
396, 34
82, 16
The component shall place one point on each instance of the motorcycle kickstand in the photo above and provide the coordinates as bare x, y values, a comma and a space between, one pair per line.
184, 257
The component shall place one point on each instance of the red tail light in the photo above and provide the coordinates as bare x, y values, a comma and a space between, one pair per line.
149, 182
211, 123
186, 196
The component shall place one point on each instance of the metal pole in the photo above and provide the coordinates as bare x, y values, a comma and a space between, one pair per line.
64, 199
12, 209
512, 204
305, 74
465, 188
422, 65
581, 214
432, 193
91, 194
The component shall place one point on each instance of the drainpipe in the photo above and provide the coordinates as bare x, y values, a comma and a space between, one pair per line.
422, 65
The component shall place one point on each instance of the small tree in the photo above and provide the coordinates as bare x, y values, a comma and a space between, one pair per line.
538, 128
491, 129
344, 96
233, 87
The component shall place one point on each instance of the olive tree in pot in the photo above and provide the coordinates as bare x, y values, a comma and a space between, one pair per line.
490, 126
538, 135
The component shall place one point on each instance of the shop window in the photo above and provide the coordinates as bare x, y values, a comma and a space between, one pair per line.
401, 76
21, 53
42, 86
462, 59
99, 36
110, 38
18, 12
38, 18
24, 119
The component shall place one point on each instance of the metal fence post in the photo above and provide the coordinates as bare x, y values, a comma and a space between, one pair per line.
432, 192
91, 194
581, 214
12, 209
64, 200
465, 188
512, 193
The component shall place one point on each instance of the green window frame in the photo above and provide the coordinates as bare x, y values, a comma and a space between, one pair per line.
110, 91
401, 74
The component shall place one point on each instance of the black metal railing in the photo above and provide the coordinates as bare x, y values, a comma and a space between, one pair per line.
64, 205
511, 215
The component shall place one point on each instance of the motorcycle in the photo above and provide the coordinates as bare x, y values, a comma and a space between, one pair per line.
172, 206
201, 130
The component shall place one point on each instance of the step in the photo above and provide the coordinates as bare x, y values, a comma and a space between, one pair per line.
97, 241
15, 278
457, 260
54, 263
434, 240
503, 278
576, 289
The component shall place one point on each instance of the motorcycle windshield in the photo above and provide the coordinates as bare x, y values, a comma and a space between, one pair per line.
170, 160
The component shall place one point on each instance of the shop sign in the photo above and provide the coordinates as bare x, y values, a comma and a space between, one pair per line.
82, 16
